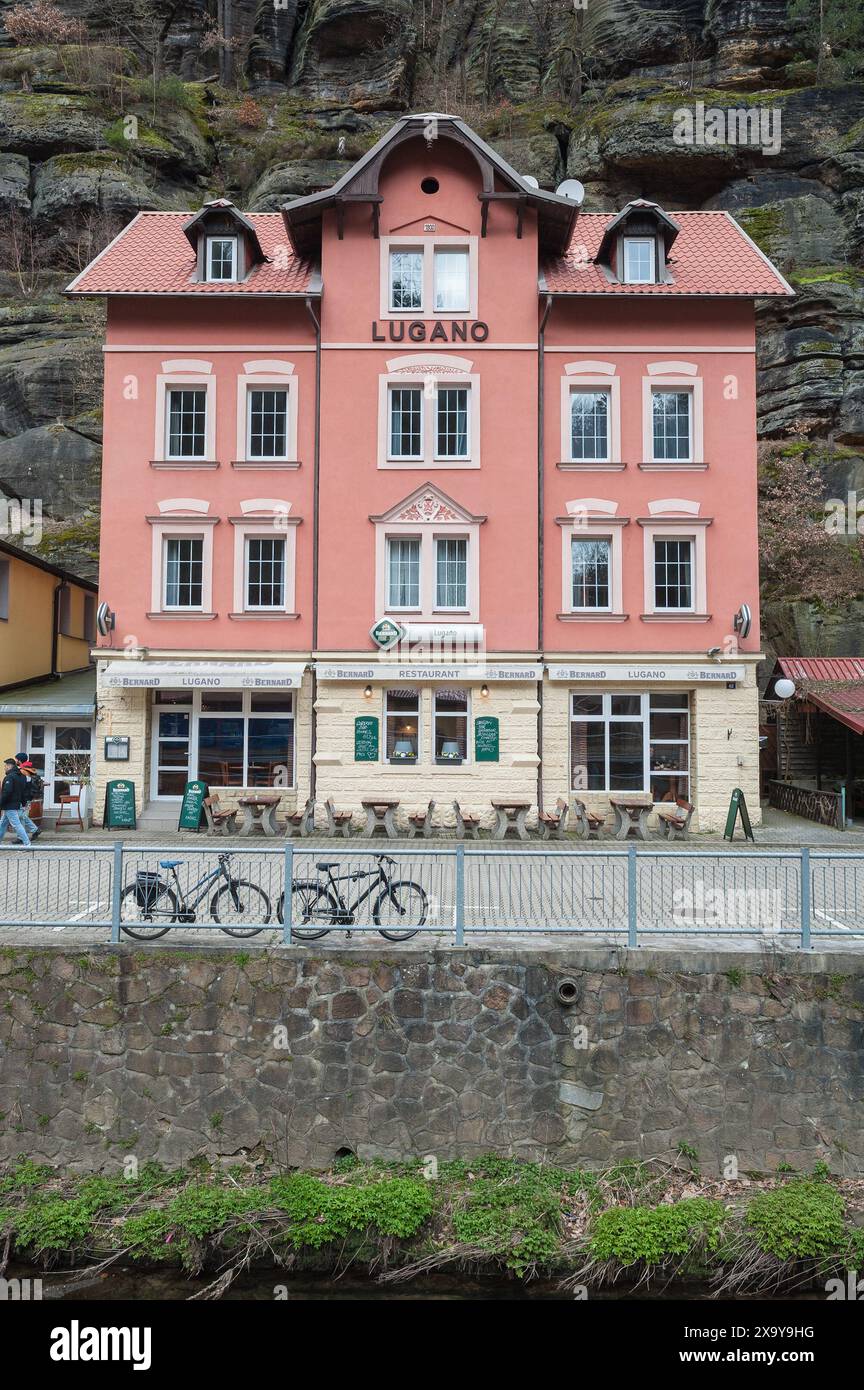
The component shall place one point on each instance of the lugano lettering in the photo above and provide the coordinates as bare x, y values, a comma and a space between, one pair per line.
416, 331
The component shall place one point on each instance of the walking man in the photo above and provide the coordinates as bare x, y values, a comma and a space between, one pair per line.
34, 790
13, 789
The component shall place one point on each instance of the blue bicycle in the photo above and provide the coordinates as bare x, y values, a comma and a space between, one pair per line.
151, 901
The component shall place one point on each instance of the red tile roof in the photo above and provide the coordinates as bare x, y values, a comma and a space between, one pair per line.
832, 683
710, 256
152, 256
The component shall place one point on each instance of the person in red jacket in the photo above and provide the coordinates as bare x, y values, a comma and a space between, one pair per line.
13, 789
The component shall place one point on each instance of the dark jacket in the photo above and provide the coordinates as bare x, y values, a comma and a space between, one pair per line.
13, 791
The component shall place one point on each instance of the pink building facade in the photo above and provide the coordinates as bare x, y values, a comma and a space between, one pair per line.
431, 487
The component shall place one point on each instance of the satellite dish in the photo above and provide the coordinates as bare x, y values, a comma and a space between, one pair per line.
743, 620
530, 179
572, 189
104, 619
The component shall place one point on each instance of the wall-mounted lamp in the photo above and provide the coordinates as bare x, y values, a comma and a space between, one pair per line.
784, 689
368, 692
484, 691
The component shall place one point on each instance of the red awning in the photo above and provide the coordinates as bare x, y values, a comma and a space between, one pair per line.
834, 684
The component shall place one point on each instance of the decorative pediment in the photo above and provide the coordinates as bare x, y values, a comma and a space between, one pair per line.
429, 505
420, 225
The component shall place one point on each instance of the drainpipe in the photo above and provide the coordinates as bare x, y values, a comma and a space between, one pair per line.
541, 496
55, 627
316, 474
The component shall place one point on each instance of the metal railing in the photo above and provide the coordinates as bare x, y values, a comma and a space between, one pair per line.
624, 894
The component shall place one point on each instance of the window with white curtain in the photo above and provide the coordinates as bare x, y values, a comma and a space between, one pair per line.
451, 419
451, 572
451, 279
639, 257
403, 572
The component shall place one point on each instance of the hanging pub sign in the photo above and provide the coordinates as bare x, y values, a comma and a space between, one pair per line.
366, 738
119, 812
486, 739
192, 806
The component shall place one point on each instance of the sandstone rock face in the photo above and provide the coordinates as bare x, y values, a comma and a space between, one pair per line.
589, 93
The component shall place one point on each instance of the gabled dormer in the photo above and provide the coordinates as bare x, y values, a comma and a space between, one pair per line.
225, 243
636, 244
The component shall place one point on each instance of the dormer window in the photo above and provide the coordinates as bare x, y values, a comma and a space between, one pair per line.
639, 256
222, 258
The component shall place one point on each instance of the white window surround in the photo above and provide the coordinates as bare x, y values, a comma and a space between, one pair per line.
265, 517
428, 245
591, 376
681, 522
182, 525
428, 514
429, 372
185, 372
267, 374
673, 376
631, 248
593, 518
212, 242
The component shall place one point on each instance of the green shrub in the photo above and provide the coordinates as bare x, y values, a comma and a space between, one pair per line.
655, 1234
801, 1219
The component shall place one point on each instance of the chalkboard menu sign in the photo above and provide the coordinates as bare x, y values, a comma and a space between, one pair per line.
119, 813
486, 739
366, 738
738, 807
192, 806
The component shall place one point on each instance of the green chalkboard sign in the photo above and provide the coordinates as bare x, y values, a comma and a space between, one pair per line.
119, 813
486, 739
366, 738
738, 806
192, 806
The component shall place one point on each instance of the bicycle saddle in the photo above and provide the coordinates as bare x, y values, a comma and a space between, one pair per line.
169, 863
334, 865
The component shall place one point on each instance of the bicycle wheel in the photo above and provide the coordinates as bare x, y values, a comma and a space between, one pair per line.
237, 902
310, 902
402, 901
134, 917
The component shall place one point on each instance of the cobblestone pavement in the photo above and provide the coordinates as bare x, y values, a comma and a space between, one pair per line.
707, 893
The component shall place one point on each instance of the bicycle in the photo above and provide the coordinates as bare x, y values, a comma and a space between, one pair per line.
319, 899
152, 897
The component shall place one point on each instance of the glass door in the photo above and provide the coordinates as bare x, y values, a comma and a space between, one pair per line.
172, 727
62, 755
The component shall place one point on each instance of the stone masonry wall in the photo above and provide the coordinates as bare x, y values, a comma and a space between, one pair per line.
301, 1052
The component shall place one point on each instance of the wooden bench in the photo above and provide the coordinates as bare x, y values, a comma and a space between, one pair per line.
589, 826
338, 822
301, 822
467, 827
675, 825
420, 822
219, 821
554, 823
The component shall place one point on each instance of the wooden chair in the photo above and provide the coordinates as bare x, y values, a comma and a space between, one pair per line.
554, 823
338, 822
467, 827
420, 823
219, 821
302, 822
589, 826
74, 817
675, 824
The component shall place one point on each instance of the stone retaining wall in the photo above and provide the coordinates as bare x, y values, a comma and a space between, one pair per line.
168, 1054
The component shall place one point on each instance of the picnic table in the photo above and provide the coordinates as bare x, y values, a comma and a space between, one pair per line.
631, 814
380, 813
511, 816
259, 811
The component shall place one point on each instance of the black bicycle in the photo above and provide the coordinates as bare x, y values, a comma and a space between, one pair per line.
321, 901
151, 899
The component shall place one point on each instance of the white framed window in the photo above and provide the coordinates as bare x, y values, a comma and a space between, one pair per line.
451, 573
451, 279
221, 258
228, 738
450, 724
591, 573
671, 425
589, 425
186, 423
267, 415
402, 726
183, 572
428, 276
630, 742
403, 572
265, 572
639, 253
182, 559
673, 574
267, 411
427, 557
265, 557
590, 417
429, 413
406, 279
185, 434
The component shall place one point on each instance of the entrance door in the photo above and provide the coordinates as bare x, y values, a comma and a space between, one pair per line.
62, 755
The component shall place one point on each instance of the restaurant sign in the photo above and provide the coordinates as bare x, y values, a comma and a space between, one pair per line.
650, 672
210, 675
432, 671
